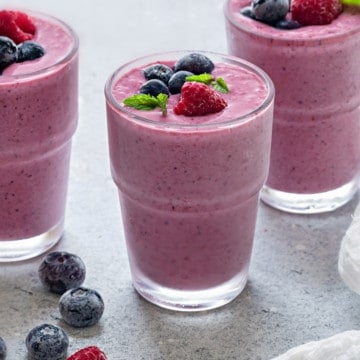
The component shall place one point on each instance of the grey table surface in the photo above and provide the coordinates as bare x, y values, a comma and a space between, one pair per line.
294, 294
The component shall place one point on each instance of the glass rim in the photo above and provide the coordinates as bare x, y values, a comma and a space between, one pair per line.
115, 75
47, 69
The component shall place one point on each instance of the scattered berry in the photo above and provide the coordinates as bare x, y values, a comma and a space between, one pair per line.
287, 24
16, 25
248, 12
81, 307
29, 50
199, 99
270, 11
45, 342
195, 63
315, 12
88, 353
158, 71
60, 271
177, 81
2, 349
154, 87
8, 52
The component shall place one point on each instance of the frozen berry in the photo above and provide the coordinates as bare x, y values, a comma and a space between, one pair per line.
46, 342
88, 353
81, 307
248, 12
315, 12
178, 80
287, 24
29, 50
198, 99
8, 52
195, 63
16, 25
60, 271
154, 87
158, 71
270, 11
2, 349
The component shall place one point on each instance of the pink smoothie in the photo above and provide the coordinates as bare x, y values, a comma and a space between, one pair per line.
189, 186
38, 104
316, 73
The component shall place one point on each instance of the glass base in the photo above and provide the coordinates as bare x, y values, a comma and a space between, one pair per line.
309, 203
194, 300
18, 250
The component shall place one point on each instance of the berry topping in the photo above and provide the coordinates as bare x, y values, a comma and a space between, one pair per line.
81, 307
248, 12
287, 24
88, 353
16, 25
177, 81
8, 52
60, 271
315, 12
195, 63
154, 87
199, 99
159, 72
270, 11
2, 349
29, 50
46, 342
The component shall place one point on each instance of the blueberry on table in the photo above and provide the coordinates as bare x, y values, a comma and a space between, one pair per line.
195, 63
81, 307
270, 11
159, 72
45, 342
60, 271
8, 52
178, 80
154, 87
2, 349
29, 50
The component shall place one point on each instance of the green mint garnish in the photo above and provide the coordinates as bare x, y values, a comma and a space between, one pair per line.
351, 2
218, 84
147, 102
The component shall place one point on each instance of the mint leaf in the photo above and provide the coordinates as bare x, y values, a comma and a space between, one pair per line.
220, 85
147, 102
162, 103
204, 78
351, 2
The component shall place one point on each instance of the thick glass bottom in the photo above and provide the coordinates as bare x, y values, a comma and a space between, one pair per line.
23, 249
309, 203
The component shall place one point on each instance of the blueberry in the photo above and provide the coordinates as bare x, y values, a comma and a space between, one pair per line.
270, 11
287, 24
29, 50
178, 80
60, 271
248, 12
8, 52
195, 63
81, 307
2, 349
158, 71
46, 342
154, 87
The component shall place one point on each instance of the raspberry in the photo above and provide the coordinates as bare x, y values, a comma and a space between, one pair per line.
88, 353
199, 99
315, 12
16, 25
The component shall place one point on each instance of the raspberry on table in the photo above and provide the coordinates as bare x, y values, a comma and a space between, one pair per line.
88, 353
16, 25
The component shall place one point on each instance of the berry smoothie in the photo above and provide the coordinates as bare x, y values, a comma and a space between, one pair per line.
189, 185
38, 102
315, 157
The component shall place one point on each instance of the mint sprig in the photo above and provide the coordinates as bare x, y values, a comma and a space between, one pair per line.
351, 2
218, 84
147, 102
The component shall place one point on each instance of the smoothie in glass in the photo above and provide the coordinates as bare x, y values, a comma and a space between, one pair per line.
315, 157
38, 103
189, 185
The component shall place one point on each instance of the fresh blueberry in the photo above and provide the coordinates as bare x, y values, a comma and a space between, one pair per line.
60, 271
178, 80
270, 11
195, 63
158, 71
8, 52
29, 50
46, 342
154, 87
81, 307
248, 12
2, 349
287, 24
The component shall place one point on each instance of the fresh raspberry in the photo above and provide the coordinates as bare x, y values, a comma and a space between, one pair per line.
315, 12
199, 99
16, 25
88, 353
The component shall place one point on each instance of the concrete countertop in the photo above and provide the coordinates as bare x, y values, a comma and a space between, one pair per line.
294, 294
